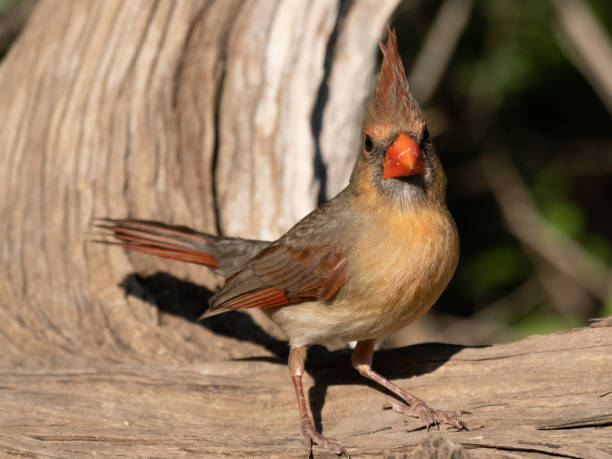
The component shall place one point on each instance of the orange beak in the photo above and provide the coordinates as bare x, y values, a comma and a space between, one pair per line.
403, 158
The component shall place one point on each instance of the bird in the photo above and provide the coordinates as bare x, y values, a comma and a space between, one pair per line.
358, 268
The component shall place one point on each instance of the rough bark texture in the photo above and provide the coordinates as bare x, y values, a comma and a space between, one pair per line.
202, 113
235, 116
541, 397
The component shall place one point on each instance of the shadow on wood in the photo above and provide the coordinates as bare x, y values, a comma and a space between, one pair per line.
188, 300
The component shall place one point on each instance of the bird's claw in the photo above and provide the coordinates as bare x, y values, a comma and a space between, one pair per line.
430, 417
313, 437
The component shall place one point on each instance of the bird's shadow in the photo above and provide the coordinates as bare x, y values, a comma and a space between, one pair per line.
188, 300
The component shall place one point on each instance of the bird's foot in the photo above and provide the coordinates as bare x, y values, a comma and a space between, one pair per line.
429, 416
313, 437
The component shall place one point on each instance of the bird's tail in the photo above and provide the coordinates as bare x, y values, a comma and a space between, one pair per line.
154, 238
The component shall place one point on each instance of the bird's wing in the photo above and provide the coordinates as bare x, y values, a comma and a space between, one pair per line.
282, 275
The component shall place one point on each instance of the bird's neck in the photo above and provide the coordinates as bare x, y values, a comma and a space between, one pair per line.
397, 195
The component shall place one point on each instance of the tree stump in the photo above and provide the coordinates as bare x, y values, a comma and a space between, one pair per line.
217, 114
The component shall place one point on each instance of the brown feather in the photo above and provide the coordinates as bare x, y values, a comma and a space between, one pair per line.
175, 243
392, 107
282, 275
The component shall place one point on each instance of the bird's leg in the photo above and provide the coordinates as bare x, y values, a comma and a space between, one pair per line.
362, 361
297, 358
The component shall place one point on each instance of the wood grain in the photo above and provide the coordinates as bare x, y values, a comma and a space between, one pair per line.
203, 113
546, 396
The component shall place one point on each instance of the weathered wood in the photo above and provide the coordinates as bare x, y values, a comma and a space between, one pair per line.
544, 396
205, 113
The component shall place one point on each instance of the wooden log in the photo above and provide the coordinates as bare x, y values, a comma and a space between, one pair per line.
545, 396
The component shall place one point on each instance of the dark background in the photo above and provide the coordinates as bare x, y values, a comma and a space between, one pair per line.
513, 91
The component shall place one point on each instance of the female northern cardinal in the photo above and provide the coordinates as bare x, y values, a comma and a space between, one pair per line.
360, 267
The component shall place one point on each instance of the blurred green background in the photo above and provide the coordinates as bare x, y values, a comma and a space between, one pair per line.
522, 125
518, 94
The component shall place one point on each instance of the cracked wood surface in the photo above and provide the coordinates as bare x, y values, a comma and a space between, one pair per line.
545, 396
226, 115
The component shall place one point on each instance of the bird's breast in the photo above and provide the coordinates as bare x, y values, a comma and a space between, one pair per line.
398, 265
401, 266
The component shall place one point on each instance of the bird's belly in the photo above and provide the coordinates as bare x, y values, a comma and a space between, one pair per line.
358, 314
320, 323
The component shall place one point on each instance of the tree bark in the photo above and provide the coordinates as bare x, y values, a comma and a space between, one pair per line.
203, 113
235, 117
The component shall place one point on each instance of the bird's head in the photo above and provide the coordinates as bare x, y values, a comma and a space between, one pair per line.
397, 158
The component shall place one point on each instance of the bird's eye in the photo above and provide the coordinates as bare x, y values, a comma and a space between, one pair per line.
368, 144
425, 135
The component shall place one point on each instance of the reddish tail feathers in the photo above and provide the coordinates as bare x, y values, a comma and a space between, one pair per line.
174, 242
